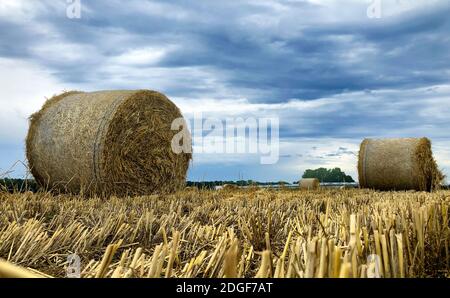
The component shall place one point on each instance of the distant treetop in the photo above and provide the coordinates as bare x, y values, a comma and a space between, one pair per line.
328, 175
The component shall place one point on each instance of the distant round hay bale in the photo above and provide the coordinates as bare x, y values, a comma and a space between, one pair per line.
398, 164
107, 142
230, 187
309, 183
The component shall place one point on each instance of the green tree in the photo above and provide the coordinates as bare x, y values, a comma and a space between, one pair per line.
328, 175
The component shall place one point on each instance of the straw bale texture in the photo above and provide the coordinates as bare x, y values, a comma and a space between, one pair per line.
107, 142
309, 183
398, 164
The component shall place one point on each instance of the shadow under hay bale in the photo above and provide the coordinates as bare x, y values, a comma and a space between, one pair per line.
107, 142
398, 164
309, 183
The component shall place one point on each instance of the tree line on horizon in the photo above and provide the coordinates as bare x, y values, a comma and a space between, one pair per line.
323, 174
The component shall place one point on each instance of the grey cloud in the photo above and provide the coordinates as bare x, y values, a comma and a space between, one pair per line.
295, 57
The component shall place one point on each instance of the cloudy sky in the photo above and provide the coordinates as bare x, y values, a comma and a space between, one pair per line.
333, 72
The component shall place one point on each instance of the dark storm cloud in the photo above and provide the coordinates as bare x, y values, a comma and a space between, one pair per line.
265, 60
392, 114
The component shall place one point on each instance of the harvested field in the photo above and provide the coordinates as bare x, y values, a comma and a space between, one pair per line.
231, 233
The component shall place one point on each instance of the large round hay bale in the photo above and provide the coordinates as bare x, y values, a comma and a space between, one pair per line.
309, 183
398, 164
107, 142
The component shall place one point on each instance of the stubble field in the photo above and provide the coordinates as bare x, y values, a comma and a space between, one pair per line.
231, 233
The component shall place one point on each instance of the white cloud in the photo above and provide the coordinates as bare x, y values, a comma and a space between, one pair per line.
141, 56
25, 87
167, 10
19, 10
65, 52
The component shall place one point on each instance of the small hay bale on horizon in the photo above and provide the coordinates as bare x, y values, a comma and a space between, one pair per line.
230, 187
309, 183
107, 143
398, 164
